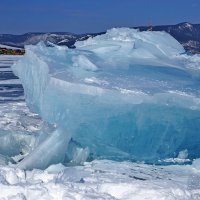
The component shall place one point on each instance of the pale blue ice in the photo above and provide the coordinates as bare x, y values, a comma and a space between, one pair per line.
124, 95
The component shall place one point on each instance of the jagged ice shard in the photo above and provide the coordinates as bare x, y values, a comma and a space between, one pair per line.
121, 95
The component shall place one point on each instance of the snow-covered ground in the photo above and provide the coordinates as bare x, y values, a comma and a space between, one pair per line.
7, 60
102, 180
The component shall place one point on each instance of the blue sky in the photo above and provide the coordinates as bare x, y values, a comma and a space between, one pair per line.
80, 16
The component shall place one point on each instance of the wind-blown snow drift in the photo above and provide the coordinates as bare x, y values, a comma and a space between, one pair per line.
122, 95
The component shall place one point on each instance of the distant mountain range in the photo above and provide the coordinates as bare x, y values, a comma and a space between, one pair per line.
186, 33
58, 38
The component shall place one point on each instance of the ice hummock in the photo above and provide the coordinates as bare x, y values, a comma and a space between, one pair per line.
124, 95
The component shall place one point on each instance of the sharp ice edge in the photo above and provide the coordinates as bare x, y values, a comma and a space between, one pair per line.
115, 94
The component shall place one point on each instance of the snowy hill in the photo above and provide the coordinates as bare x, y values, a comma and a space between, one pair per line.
186, 33
8, 47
